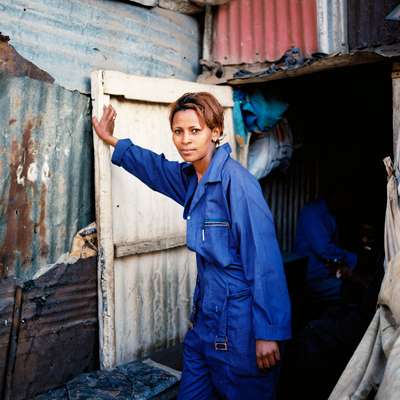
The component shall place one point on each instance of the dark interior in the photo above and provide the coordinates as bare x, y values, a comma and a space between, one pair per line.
341, 121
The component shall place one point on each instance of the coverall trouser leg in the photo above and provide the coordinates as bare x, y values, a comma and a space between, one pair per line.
204, 378
196, 381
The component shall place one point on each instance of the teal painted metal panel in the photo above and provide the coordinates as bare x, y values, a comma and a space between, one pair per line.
69, 39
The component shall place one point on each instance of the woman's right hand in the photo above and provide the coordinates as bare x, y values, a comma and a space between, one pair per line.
105, 127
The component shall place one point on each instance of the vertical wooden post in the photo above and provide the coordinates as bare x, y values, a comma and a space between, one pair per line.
105, 272
13, 346
396, 113
208, 32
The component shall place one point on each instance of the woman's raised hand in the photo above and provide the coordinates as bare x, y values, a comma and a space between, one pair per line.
105, 127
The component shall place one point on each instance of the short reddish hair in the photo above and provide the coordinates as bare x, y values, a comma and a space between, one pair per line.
206, 106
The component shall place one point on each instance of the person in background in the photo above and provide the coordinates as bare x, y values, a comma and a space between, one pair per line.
318, 238
241, 305
319, 352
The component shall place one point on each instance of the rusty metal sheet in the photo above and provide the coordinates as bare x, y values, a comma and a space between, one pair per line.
69, 39
12, 63
367, 26
250, 31
46, 173
7, 293
58, 333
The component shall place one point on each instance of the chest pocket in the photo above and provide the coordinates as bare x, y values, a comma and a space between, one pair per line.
215, 241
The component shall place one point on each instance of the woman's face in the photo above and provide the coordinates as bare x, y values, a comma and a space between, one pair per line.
192, 137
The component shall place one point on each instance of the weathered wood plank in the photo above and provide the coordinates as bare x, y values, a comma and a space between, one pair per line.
328, 63
324, 64
396, 113
7, 306
149, 246
159, 90
181, 6
105, 231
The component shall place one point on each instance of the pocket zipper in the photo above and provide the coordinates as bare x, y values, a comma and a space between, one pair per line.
210, 223
216, 223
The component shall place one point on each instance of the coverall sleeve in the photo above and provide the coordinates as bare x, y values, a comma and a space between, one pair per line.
262, 262
152, 169
319, 237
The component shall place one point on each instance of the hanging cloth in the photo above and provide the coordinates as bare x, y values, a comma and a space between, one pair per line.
375, 365
254, 112
271, 150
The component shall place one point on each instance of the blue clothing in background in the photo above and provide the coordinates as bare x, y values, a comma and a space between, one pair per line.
255, 112
241, 292
317, 239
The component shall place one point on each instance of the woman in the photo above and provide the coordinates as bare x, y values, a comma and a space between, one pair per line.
240, 306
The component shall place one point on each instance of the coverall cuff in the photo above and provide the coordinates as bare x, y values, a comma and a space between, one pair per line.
273, 332
119, 150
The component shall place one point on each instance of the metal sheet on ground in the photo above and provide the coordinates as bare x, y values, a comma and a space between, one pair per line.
144, 298
57, 335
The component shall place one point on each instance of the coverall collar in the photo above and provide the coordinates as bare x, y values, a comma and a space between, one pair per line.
214, 170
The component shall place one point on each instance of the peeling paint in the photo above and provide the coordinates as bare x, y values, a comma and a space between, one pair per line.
20, 179
32, 172
12, 63
45, 172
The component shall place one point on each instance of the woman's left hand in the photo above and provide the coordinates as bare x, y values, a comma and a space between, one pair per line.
267, 353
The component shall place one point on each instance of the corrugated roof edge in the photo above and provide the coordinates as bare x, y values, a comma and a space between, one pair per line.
215, 73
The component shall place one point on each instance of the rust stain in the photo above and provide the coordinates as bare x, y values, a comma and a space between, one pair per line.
14, 64
44, 247
19, 230
12, 121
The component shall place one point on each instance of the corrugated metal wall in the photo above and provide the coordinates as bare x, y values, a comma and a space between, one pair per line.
250, 31
287, 194
69, 39
367, 26
46, 172
332, 26
46, 165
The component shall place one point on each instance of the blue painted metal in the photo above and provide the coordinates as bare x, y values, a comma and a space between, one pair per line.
46, 172
69, 39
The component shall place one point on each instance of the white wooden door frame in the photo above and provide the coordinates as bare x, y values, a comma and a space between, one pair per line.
106, 84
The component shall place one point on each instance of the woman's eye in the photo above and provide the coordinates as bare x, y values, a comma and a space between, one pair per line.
177, 132
195, 131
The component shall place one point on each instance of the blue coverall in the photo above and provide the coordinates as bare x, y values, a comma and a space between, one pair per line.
241, 292
316, 238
